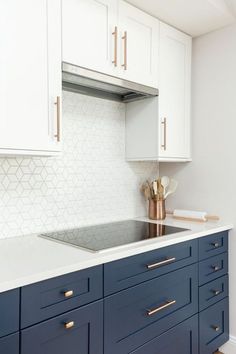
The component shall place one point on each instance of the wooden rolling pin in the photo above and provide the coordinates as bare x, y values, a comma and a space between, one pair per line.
191, 215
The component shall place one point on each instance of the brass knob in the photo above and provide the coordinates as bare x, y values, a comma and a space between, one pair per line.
216, 328
68, 293
69, 325
215, 244
216, 292
215, 268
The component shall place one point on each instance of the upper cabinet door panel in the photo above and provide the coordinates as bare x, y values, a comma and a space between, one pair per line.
174, 97
139, 44
24, 71
87, 29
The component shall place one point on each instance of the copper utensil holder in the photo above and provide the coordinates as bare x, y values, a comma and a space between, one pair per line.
157, 209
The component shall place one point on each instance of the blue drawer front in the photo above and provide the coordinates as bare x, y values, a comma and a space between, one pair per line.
181, 339
9, 312
47, 299
213, 268
51, 337
213, 245
131, 271
213, 292
127, 323
214, 327
10, 344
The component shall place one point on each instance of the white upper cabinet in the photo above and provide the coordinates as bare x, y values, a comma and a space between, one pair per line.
90, 34
159, 128
139, 45
174, 94
30, 71
111, 37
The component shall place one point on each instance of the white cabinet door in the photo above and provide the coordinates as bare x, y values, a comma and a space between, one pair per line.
139, 44
25, 122
174, 93
87, 27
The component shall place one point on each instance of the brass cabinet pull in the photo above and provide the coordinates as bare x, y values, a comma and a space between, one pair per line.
58, 104
216, 328
215, 244
164, 127
215, 268
68, 293
162, 307
115, 34
161, 263
69, 325
124, 37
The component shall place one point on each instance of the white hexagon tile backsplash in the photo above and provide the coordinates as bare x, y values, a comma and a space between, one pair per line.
89, 183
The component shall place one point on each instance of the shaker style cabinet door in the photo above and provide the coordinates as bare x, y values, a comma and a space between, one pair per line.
76, 332
30, 48
89, 31
139, 43
174, 93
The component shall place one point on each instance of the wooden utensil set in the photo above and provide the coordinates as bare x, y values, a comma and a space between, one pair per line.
159, 189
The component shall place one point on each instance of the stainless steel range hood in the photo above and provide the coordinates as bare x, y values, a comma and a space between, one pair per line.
92, 83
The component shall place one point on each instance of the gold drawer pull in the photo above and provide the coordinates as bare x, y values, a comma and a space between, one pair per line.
162, 307
215, 244
124, 38
159, 264
216, 292
58, 104
216, 328
115, 34
164, 122
69, 325
216, 268
69, 293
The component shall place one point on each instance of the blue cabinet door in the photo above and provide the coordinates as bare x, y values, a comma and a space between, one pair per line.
137, 315
182, 339
76, 332
10, 344
9, 312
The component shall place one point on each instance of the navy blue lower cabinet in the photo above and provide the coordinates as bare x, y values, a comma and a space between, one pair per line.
9, 312
10, 344
182, 339
127, 272
141, 313
76, 332
214, 327
213, 292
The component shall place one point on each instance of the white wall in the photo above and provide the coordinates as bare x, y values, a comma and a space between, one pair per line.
90, 182
209, 182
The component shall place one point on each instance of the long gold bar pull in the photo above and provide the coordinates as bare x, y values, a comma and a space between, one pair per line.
58, 104
160, 308
164, 125
115, 34
69, 325
161, 263
125, 50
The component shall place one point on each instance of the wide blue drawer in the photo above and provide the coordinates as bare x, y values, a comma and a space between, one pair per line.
52, 297
182, 339
131, 271
9, 312
10, 344
213, 245
141, 313
213, 292
213, 268
214, 327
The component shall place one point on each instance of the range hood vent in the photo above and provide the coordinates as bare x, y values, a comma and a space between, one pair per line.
92, 83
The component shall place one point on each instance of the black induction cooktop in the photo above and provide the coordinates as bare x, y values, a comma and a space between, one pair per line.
102, 237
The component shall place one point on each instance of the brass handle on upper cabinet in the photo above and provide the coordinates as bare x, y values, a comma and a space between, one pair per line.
68, 293
69, 325
58, 104
161, 263
115, 34
162, 307
124, 37
164, 125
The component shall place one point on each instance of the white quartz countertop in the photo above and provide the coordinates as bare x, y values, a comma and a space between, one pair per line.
28, 259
